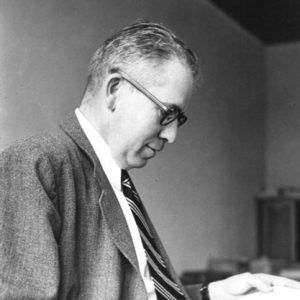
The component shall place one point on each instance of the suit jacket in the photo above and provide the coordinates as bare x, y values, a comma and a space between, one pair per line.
62, 232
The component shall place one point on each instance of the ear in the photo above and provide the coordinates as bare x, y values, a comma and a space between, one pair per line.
111, 91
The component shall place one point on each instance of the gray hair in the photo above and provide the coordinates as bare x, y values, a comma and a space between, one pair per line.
141, 41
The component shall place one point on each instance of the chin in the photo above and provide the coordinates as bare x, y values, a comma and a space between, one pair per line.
138, 163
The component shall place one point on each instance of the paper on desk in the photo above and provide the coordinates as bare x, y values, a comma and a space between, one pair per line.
278, 293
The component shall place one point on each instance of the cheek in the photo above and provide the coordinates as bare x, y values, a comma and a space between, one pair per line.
140, 124
140, 137
144, 127
144, 113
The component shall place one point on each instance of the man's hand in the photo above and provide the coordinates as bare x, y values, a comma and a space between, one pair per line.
235, 287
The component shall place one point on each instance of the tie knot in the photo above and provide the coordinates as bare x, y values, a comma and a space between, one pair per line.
125, 177
128, 188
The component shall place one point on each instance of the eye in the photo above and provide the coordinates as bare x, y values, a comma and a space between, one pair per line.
169, 117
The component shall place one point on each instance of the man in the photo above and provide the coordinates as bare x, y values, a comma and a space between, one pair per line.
72, 224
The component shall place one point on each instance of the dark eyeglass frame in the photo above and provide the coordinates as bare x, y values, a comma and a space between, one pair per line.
169, 113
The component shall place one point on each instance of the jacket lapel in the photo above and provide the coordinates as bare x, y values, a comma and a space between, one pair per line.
108, 202
117, 224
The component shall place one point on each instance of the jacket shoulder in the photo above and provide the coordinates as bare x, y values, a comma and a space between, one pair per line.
54, 145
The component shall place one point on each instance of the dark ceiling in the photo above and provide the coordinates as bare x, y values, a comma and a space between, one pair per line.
272, 21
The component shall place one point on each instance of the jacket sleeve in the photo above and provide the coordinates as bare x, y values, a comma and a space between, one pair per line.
29, 225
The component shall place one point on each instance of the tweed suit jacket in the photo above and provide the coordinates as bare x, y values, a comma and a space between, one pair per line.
62, 232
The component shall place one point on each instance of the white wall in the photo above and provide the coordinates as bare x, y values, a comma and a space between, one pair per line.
283, 115
200, 190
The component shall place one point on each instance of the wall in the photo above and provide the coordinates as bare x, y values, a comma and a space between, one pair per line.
200, 190
283, 115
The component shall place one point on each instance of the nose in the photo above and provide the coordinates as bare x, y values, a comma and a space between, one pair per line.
169, 132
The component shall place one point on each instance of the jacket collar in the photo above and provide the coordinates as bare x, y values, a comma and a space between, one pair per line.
73, 129
109, 204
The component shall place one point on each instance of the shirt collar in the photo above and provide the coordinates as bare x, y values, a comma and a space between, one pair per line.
110, 167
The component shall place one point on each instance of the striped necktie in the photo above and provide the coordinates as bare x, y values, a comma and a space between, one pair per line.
165, 287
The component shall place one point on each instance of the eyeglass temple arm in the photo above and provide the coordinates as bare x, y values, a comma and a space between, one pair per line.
141, 89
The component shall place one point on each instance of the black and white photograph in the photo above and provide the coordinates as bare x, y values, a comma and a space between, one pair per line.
150, 149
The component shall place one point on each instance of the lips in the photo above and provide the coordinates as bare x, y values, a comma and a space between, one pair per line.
152, 151
156, 148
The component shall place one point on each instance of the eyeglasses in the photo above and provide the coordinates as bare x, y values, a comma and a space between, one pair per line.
169, 113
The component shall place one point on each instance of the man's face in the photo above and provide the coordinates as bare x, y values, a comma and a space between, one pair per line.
137, 134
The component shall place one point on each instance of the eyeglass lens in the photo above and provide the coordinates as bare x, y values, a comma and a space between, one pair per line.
173, 114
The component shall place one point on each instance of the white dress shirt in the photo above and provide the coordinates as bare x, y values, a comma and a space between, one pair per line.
113, 173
